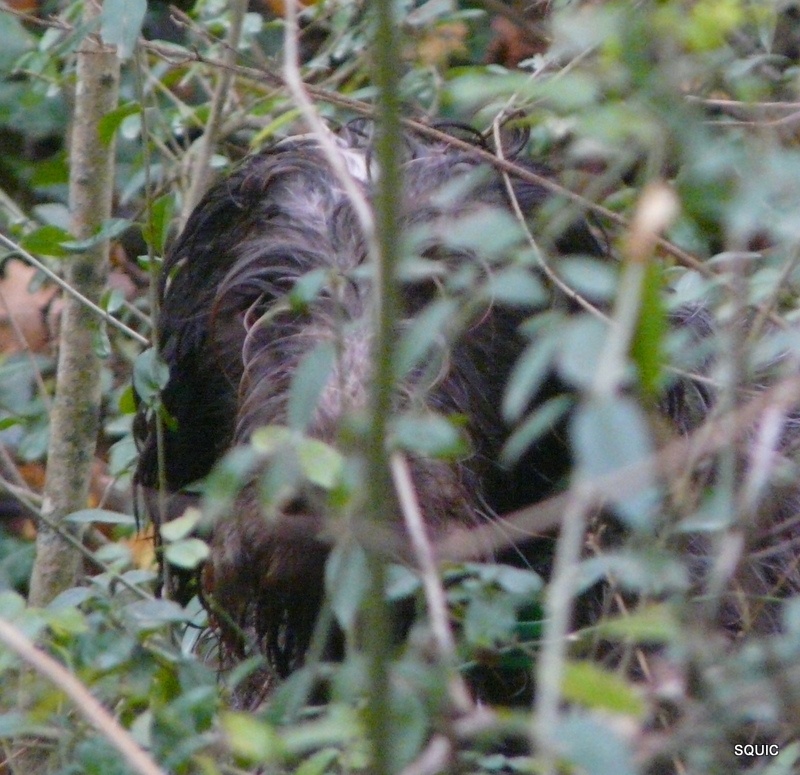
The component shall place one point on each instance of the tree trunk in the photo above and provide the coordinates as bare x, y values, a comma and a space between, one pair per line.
76, 408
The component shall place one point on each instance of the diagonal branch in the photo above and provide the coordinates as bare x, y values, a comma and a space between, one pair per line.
137, 759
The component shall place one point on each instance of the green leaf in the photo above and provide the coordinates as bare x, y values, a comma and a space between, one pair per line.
101, 517
115, 554
319, 763
646, 572
410, 720
491, 233
401, 582
66, 621
592, 278
527, 376
473, 88
188, 553
121, 24
109, 230
71, 598
228, 477
654, 624
101, 344
263, 135
712, 21
545, 417
282, 478
515, 287
29, 621
251, 739
270, 438
94, 755
516, 581
347, 582
122, 456
14, 41
150, 376
593, 746
177, 529
310, 379
490, 620
156, 230
47, 240
428, 328
112, 300
429, 435
607, 436
320, 463
580, 347
154, 613
341, 724
111, 122
11, 605
15, 723
307, 288
587, 684
127, 401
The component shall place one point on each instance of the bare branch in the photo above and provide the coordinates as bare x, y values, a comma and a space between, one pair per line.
204, 148
86, 704
434, 591
71, 290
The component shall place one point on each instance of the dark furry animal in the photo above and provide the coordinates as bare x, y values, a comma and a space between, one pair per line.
232, 344
282, 214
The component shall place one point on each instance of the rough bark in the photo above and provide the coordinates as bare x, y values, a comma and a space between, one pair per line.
76, 407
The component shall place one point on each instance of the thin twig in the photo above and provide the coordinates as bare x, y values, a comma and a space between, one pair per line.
9, 470
770, 123
204, 148
724, 103
32, 502
26, 348
558, 612
433, 759
138, 759
18, 250
322, 134
769, 304
13, 210
546, 516
365, 109
432, 583
570, 293
154, 270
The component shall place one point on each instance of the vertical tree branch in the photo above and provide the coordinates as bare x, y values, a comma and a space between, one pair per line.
557, 613
75, 416
379, 489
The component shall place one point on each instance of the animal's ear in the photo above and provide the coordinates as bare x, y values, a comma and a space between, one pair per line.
513, 136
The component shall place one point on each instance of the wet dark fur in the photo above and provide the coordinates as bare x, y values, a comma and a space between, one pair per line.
280, 215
